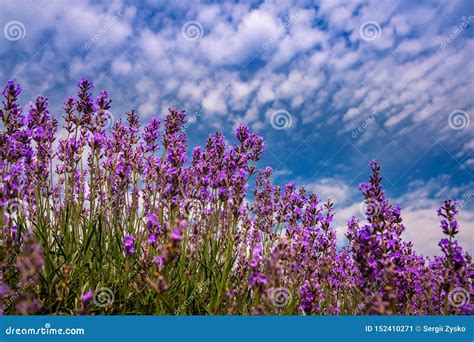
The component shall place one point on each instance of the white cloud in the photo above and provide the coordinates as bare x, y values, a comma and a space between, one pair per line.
351, 113
423, 229
225, 44
121, 66
419, 205
323, 67
330, 188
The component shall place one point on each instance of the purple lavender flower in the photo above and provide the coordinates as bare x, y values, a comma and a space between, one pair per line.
187, 222
129, 244
87, 297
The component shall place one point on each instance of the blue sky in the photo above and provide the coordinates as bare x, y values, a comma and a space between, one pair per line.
330, 85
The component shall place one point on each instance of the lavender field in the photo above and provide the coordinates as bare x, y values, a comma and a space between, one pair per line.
116, 218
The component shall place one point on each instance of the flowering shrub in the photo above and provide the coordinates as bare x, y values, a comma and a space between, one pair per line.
120, 222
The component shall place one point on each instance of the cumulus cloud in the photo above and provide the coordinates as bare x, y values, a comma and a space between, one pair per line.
329, 188
279, 53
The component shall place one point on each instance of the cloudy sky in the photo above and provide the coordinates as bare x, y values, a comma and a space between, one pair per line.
330, 85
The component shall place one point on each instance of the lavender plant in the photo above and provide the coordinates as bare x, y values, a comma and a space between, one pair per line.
119, 221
